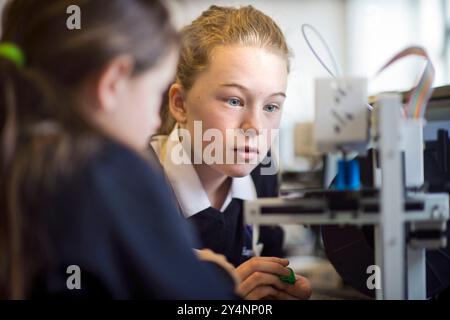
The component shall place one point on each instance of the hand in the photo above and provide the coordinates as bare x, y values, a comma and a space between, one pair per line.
259, 277
300, 290
260, 280
221, 260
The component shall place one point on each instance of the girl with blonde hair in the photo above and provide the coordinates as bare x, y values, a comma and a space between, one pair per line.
231, 78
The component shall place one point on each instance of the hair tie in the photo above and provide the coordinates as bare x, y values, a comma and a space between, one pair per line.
13, 53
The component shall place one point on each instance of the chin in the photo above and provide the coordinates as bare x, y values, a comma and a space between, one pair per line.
236, 170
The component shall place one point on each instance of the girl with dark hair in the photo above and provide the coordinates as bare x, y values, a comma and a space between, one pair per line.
76, 192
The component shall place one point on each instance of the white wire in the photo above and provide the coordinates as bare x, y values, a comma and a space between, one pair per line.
330, 53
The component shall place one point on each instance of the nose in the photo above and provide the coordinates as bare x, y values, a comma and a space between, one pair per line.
252, 123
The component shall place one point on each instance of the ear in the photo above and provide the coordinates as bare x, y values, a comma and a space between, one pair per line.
177, 104
113, 81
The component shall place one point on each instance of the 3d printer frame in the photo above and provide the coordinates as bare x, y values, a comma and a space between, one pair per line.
399, 251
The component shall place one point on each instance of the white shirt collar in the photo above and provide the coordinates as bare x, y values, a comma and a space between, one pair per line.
185, 182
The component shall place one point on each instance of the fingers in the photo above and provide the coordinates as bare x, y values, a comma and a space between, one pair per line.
260, 279
262, 292
283, 295
301, 289
282, 261
262, 264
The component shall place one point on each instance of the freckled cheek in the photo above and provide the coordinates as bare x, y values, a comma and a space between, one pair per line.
211, 114
268, 136
273, 119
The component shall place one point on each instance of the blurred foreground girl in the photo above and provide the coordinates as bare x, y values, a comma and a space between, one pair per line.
76, 108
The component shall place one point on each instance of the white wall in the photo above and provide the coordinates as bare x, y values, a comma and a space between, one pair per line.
377, 29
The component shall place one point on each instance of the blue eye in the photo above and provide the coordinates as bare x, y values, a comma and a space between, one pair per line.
271, 108
234, 102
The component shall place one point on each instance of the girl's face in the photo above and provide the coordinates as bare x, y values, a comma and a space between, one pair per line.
142, 101
128, 106
242, 89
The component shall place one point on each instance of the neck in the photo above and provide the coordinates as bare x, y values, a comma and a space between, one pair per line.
216, 184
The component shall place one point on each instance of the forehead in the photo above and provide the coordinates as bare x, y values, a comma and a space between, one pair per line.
249, 66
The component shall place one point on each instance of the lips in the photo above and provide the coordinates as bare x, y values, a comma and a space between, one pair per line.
246, 153
247, 150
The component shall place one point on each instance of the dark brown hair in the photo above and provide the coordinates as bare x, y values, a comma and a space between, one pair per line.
42, 131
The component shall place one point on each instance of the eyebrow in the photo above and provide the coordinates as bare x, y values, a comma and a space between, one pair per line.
239, 86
